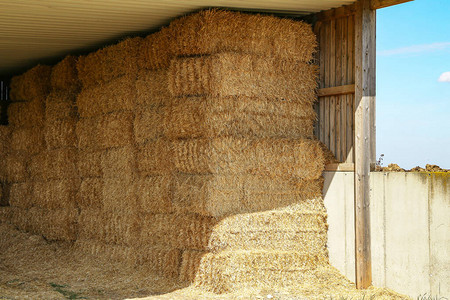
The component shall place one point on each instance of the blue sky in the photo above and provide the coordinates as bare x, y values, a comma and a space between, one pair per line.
413, 105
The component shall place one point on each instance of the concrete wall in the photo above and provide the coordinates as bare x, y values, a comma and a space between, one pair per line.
410, 225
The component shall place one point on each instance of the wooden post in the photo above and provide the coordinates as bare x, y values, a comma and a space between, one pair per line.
364, 136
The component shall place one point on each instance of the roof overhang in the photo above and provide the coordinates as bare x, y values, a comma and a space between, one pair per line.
45, 31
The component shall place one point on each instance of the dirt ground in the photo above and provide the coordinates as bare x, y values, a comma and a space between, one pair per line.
33, 268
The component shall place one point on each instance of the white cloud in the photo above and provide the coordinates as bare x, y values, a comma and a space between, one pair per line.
414, 49
445, 77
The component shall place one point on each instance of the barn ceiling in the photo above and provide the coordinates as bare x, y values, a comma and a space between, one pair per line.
44, 31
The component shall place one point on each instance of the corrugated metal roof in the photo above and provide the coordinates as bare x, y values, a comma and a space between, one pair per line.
33, 31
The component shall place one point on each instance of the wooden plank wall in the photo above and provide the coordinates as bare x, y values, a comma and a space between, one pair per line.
335, 30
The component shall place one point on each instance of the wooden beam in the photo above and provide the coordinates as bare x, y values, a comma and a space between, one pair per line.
336, 90
364, 96
340, 167
350, 97
340, 12
377, 4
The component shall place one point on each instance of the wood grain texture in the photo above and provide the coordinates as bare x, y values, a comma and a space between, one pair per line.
350, 98
365, 82
332, 82
377, 4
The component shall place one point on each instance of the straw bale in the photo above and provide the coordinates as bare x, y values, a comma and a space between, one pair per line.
228, 271
37, 166
155, 158
109, 227
293, 217
286, 158
90, 193
116, 130
328, 155
27, 140
60, 105
285, 240
60, 134
54, 225
187, 231
20, 195
16, 167
149, 123
5, 214
111, 130
89, 164
263, 193
291, 228
117, 95
212, 31
190, 263
113, 252
34, 84
54, 164
206, 156
5, 139
162, 261
209, 117
26, 114
110, 62
152, 88
63, 163
193, 231
208, 194
154, 194
119, 194
156, 50
3, 172
55, 194
87, 132
221, 195
119, 162
233, 74
64, 75
158, 229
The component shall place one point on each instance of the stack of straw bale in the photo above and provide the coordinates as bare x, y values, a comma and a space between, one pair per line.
190, 151
44, 201
26, 115
208, 120
239, 129
124, 212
